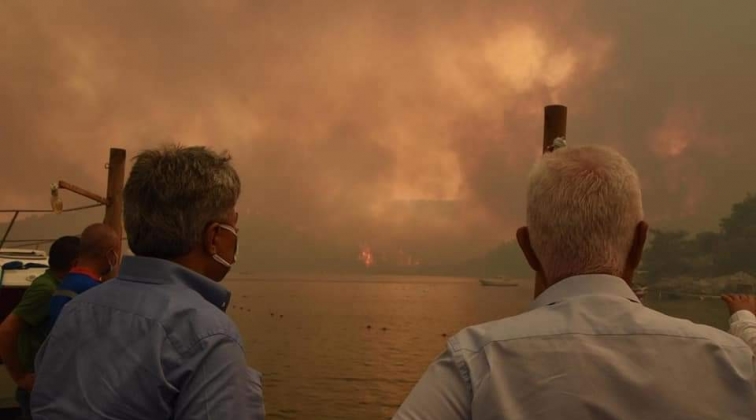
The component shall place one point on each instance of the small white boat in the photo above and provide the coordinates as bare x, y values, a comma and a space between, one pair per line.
500, 281
19, 267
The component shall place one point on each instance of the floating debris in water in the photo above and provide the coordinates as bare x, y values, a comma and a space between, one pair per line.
384, 329
369, 327
443, 335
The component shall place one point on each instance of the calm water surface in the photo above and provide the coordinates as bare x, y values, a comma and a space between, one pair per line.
310, 337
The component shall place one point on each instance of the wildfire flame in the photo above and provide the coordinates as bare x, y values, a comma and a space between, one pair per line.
366, 256
405, 259
397, 258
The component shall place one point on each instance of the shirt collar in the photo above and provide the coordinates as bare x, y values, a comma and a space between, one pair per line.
587, 284
159, 271
87, 272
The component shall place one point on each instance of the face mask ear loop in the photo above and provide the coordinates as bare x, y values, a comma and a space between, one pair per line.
220, 260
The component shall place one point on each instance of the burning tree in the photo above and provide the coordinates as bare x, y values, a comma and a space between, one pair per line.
366, 256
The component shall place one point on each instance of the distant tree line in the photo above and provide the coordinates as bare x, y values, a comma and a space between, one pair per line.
676, 253
504, 260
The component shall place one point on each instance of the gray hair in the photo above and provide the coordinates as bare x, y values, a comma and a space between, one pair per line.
171, 196
583, 204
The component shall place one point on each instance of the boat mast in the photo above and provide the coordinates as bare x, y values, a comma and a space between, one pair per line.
114, 208
113, 201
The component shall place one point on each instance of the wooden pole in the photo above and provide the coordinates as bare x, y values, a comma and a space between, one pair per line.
114, 208
554, 124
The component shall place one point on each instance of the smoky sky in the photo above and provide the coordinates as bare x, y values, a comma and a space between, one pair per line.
340, 113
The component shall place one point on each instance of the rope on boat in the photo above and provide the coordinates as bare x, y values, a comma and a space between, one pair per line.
16, 212
90, 206
22, 243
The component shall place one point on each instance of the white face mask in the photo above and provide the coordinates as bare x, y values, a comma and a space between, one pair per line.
111, 264
220, 259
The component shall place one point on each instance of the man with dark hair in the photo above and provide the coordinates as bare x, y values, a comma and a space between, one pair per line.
23, 331
98, 257
155, 342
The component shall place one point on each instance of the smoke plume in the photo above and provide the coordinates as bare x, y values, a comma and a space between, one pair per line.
400, 124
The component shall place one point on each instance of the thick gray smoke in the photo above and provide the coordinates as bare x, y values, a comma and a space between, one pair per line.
395, 124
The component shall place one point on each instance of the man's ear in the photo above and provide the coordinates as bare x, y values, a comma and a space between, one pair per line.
209, 238
636, 249
523, 239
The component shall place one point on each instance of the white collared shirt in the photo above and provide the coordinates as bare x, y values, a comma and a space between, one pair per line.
743, 326
588, 349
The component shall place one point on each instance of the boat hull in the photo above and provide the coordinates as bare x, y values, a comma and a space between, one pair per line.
20, 278
14, 281
13, 284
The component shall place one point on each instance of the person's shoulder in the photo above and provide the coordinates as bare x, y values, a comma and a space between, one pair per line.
474, 338
66, 281
34, 304
188, 326
77, 282
663, 324
184, 314
40, 288
547, 321
45, 282
191, 330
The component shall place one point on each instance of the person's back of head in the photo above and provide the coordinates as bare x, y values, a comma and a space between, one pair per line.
179, 205
99, 248
584, 214
587, 348
63, 254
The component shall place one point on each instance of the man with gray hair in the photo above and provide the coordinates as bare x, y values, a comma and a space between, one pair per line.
587, 348
155, 342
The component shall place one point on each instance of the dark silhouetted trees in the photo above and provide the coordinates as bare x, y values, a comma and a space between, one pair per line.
732, 249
